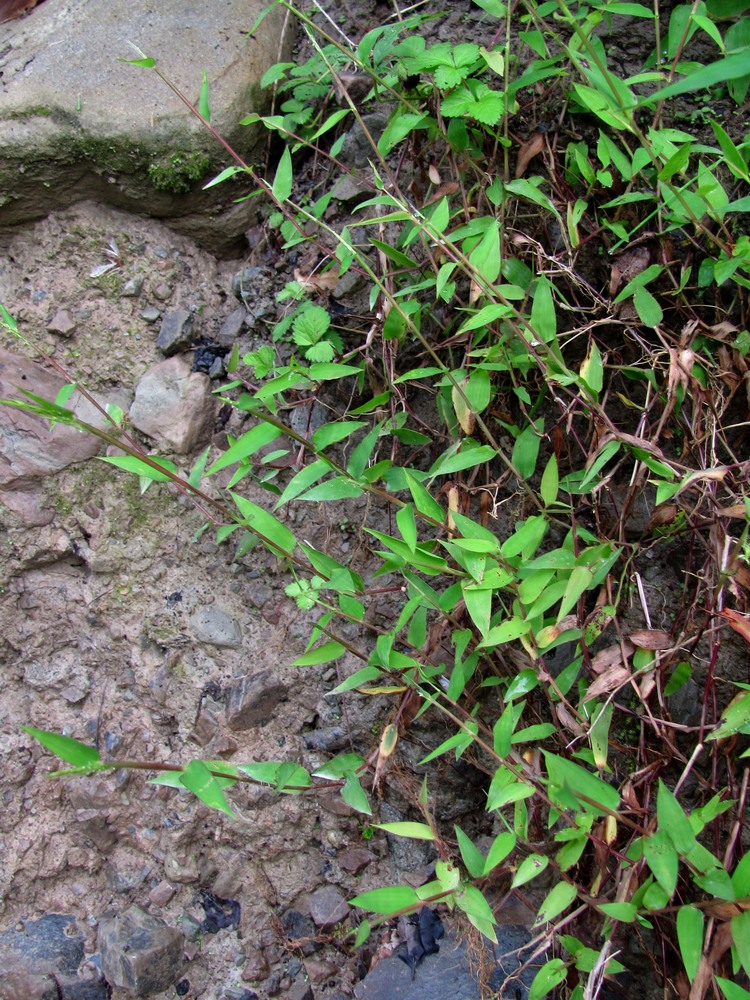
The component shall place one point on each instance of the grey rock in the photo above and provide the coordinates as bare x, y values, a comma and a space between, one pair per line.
41, 961
77, 123
328, 907
174, 406
300, 991
245, 283
176, 333
150, 314
328, 738
357, 149
405, 855
447, 975
140, 953
350, 189
251, 699
29, 449
231, 328
355, 860
214, 626
217, 368
63, 323
132, 288
307, 418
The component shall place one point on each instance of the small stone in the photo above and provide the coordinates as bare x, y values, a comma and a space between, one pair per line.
192, 928
62, 323
350, 189
161, 894
231, 328
150, 314
212, 625
245, 282
300, 990
217, 368
328, 907
176, 333
174, 406
328, 738
355, 860
163, 292
300, 930
140, 953
206, 723
256, 965
319, 970
132, 288
251, 700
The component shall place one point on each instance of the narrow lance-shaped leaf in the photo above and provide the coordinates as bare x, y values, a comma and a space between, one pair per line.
67, 749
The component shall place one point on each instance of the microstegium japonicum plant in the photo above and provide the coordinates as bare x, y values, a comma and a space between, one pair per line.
557, 263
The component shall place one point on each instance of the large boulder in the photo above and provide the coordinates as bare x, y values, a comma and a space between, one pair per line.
76, 122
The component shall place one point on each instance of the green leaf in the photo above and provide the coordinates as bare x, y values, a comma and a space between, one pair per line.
543, 314
204, 109
526, 449
529, 869
472, 858
550, 482
198, 779
734, 719
245, 446
690, 938
623, 912
732, 67
732, 991
423, 500
354, 795
501, 847
673, 821
557, 899
130, 463
417, 831
67, 749
273, 772
282, 182
407, 525
467, 458
357, 679
275, 535
740, 924
389, 899
303, 479
329, 434
573, 786
338, 488
662, 859
485, 257
326, 653
550, 975
648, 309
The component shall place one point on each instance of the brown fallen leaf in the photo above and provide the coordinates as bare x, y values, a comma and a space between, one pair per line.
628, 265
613, 679
611, 656
14, 8
740, 623
651, 638
531, 148
318, 281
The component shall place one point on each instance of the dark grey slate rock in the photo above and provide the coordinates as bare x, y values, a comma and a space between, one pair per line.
41, 961
176, 333
300, 930
328, 907
251, 699
132, 288
231, 328
140, 953
245, 282
328, 738
447, 975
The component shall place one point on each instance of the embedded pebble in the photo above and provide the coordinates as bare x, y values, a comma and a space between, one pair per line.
252, 698
140, 953
214, 626
328, 907
176, 333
